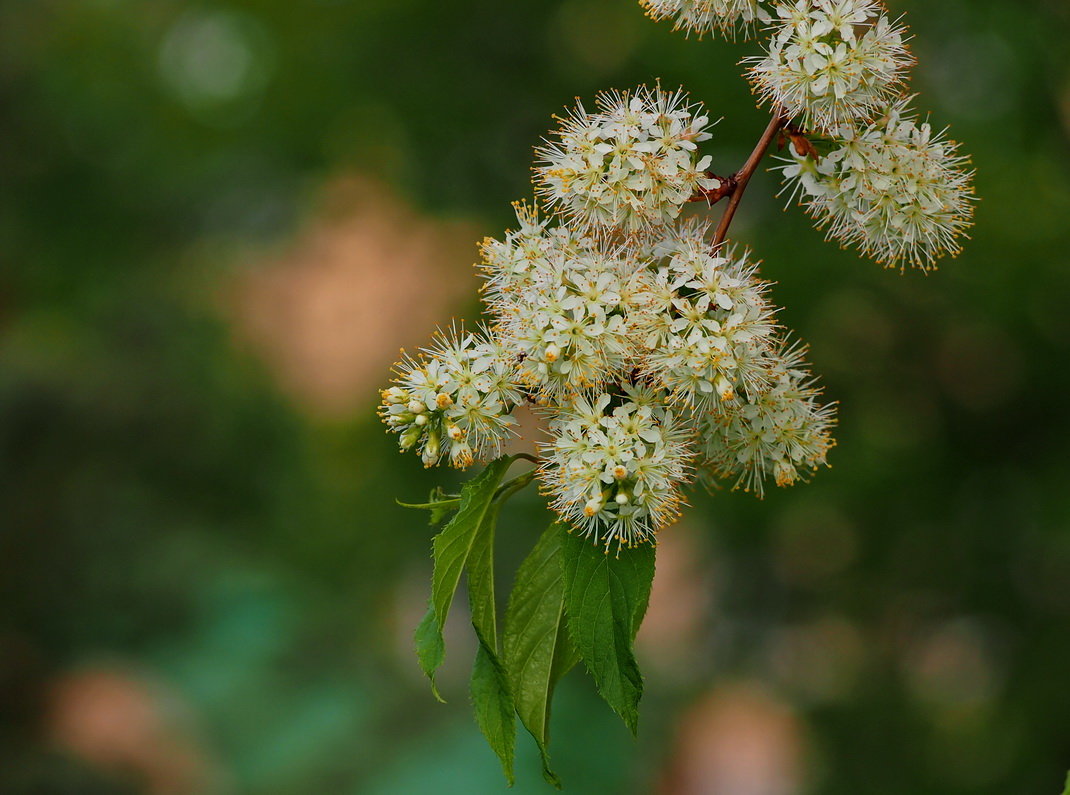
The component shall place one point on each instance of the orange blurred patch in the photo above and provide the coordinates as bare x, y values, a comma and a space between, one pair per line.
367, 276
738, 740
125, 726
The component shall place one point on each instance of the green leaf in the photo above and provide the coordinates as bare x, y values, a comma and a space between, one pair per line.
605, 601
1067, 790
537, 651
481, 579
438, 503
430, 648
451, 550
490, 687
493, 705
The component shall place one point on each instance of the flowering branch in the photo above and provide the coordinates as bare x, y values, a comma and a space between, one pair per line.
650, 348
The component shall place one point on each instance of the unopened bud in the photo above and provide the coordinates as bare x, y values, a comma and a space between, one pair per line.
592, 508
420, 419
409, 438
431, 447
552, 353
621, 498
417, 407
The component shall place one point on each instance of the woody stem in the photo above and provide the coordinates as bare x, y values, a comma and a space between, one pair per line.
742, 177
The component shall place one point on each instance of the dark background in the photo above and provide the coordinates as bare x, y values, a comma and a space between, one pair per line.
219, 222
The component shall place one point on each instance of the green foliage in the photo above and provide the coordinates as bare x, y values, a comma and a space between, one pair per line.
490, 687
452, 549
605, 601
1066, 789
537, 648
493, 704
571, 600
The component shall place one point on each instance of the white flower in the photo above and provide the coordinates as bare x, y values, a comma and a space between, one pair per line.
895, 189
512, 263
615, 465
832, 61
629, 167
705, 16
565, 309
709, 327
777, 432
454, 400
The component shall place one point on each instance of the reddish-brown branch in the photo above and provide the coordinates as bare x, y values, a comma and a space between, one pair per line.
742, 177
725, 187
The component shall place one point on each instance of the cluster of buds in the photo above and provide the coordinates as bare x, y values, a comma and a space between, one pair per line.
649, 343
895, 189
630, 166
454, 400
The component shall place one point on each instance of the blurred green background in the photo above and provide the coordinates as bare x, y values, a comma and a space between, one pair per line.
219, 222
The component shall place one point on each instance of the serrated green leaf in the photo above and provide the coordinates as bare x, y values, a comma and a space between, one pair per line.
451, 550
490, 688
480, 567
430, 648
493, 705
536, 648
605, 599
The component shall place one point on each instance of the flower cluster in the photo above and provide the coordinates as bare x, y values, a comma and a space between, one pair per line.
894, 189
706, 16
779, 431
831, 62
615, 464
630, 166
650, 345
570, 321
650, 350
833, 72
710, 326
454, 400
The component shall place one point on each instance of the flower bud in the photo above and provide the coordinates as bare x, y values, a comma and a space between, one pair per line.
417, 407
410, 437
430, 454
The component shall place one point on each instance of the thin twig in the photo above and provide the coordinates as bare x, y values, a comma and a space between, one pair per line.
742, 177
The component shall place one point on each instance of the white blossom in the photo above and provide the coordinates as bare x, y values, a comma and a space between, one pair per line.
832, 62
706, 16
784, 431
453, 400
709, 327
896, 189
565, 307
615, 465
630, 166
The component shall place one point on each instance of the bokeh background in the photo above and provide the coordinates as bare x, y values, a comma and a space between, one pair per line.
220, 221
